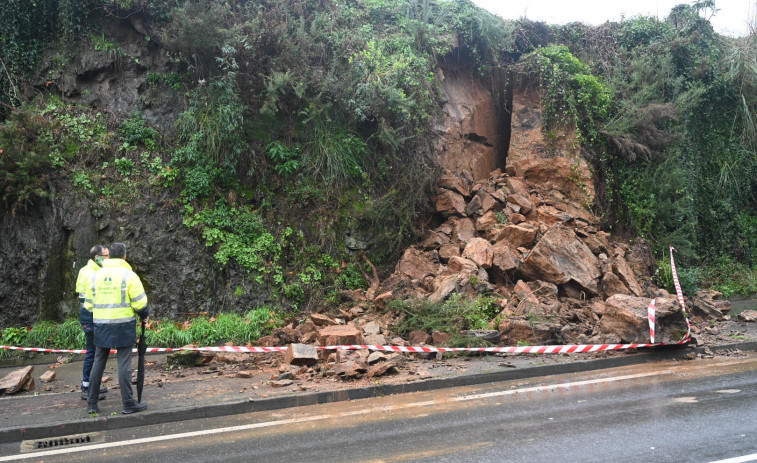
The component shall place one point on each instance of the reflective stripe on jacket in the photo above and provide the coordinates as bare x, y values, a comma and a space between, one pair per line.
117, 294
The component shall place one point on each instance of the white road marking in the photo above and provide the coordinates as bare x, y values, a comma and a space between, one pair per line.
305, 419
686, 400
745, 458
552, 387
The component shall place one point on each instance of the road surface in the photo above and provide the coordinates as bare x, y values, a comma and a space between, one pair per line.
673, 411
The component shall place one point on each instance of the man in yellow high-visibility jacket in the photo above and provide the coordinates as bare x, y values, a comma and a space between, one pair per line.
97, 254
117, 296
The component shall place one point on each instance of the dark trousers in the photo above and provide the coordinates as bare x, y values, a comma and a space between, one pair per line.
89, 358
124, 374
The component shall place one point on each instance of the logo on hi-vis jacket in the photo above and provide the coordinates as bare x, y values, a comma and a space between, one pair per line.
109, 288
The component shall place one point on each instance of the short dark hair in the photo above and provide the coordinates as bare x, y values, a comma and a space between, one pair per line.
96, 250
117, 250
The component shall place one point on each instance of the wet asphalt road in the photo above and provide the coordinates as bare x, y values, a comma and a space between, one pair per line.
673, 411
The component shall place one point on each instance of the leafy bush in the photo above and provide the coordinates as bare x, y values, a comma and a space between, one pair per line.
575, 97
135, 131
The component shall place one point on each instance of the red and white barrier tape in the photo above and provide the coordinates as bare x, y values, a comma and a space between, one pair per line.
679, 293
562, 349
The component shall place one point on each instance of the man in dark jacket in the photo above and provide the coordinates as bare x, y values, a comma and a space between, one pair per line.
117, 296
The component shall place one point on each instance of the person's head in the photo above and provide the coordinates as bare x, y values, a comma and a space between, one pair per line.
118, 250
98, 253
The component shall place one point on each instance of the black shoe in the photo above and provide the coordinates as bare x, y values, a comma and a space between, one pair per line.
133, 407
92, 409
85, 394
103, 389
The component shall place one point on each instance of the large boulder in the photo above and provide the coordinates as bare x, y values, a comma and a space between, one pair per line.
626, 317
415, 264
562, 259
339, 335
479, 251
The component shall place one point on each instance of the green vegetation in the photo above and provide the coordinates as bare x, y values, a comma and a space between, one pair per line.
203, 330
574, 97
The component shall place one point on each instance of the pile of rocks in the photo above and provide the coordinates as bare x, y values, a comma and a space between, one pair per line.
528, 237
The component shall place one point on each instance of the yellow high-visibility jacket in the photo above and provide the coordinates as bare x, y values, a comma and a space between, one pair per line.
82, 281
117, 295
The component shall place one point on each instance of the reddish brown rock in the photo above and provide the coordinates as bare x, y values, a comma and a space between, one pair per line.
521, 201
287, 335
449, 203
350, 369
626, 317
621, 268
339, 335
612, 285
461, 265
382, 369
479, 251
318, 319
415, 264
515, 235
506, 257
416, 338
440, 338
516, 185
301, 354
515, 219
464, 230
281, 383
29, 385
515, 330
561, 258
15, 380
449, 251
710, 304
455, 183
487, 221
598, 243
570, 176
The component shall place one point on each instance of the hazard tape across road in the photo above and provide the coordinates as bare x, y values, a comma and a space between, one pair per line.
560, 349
